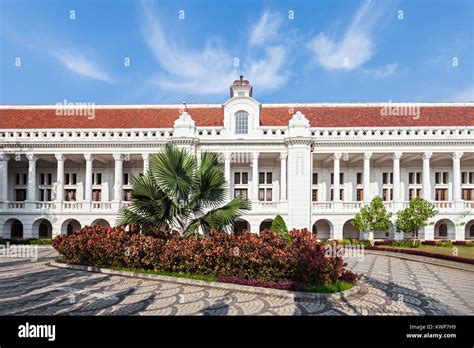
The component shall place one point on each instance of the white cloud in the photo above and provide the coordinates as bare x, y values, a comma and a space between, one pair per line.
266, 28
356, 45
211, 70
385, 71
81, 66
465, 95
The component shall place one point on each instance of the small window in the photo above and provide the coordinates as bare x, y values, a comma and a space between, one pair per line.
315, 196
245, 178
125, 179
359, 178
315, 178
261, 178
240, 192
464, 178
41, 179
418, 178
269, 177
237, 178
241, 122
50, 179
360, 195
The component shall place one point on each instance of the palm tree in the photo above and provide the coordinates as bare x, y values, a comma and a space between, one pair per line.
181, 195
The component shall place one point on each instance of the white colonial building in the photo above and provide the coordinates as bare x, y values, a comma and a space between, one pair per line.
315, 164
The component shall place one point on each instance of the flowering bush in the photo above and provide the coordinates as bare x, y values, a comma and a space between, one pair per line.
245, 256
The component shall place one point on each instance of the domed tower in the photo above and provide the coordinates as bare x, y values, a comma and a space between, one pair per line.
241, 88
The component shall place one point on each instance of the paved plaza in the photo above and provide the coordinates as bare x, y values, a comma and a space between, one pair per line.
390, 286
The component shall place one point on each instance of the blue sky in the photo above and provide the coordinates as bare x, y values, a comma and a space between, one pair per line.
291, 51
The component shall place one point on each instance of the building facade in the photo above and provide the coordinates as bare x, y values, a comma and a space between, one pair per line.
63, 167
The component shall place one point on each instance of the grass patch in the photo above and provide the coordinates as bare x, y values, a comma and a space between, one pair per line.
330, 288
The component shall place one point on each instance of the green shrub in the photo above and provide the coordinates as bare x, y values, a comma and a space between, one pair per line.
405, 243
448, 244
279, 227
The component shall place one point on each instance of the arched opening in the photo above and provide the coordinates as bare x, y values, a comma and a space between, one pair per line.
444, 229
100, 222
16, 230
42, 228
241, 225
70, 226
349, 231
470, 230
322, 229
266, 224
241, 122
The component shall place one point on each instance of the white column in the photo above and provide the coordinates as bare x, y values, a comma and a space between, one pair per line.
283, 157
396, 179
255, 156
336, 171
60, 177
88, 181
146, 162
118, 185
4, 177
366, 182
426, 175
32, 177
227, 159
457, 197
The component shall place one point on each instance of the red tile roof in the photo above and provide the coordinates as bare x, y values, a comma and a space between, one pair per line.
321, 116
107, 118
369, 116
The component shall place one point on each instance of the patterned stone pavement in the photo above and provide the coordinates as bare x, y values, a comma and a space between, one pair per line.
390, 287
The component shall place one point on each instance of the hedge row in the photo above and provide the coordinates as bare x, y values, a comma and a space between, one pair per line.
263, 257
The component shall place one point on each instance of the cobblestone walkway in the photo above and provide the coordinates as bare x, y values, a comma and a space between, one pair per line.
390, 287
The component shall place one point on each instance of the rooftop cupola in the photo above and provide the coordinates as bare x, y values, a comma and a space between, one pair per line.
241, 88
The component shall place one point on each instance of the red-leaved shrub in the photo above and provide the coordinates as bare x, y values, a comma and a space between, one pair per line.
245, 256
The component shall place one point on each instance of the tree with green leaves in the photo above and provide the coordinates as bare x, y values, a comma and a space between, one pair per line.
373, 217
178, 194
279, 227
415, 216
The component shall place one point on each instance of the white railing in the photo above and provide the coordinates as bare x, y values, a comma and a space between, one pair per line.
468, 204
265, 206
125, 204
16, 205
352, 205
72, 205
101, 206
443, 204
322, 205
45, 205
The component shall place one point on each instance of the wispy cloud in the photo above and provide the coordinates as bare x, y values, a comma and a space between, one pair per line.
267, 28
464, 95
356, 45
384, 71
81, 66
210, 70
